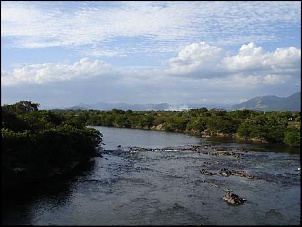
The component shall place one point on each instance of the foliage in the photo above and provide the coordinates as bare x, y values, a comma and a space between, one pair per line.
272, 126
292, 137
21, 107
39, 143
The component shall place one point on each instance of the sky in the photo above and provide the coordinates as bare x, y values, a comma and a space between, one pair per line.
61, 54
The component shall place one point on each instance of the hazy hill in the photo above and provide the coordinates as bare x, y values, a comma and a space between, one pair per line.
271, 102
123, 106
144, 107
265, 103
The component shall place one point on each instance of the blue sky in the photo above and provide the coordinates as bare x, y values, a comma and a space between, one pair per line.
61, 54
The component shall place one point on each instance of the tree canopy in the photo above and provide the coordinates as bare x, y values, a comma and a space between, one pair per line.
270, 126
40, 143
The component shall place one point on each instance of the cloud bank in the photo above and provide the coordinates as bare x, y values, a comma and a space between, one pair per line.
199, 73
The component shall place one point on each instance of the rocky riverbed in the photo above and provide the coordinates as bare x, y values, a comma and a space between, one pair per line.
213, 167
141, 178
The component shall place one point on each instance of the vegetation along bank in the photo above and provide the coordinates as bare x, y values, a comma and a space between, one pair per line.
271, 127
37, 144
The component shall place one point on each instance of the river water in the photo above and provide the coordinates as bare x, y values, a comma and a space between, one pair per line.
161, 178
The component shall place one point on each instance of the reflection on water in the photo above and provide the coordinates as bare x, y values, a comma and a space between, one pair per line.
254, 146
161, 183
113, 137
19, 207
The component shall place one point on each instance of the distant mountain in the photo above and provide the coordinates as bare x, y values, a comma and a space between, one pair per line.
144, 107
271, 102
264, 103
122, 106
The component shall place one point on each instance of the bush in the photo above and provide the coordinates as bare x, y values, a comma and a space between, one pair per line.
36, 143
292, 137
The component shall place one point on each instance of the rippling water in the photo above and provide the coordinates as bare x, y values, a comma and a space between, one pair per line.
160, 183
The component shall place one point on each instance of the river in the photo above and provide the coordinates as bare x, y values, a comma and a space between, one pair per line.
161, 178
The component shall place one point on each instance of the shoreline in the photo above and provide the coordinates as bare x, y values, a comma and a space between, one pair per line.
205, 135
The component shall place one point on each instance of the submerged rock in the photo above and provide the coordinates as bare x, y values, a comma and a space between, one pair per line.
232, 198
205, 172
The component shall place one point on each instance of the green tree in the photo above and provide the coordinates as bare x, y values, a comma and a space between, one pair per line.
292, 137
21, 107
37, 142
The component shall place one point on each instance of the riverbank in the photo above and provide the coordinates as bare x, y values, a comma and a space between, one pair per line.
205, 134
266, 127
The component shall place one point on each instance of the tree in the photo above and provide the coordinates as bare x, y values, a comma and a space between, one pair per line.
21, 107
292, 137
37, 143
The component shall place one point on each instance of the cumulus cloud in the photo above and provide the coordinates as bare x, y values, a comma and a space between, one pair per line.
197, 61
199, 57
200, 60
253, 58
49, 72
250, 57
199, 73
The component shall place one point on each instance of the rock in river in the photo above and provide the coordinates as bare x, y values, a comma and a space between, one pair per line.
232, 198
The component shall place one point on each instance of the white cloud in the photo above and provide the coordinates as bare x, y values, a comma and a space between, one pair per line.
276, 79
106, 53
164, 26
197, 61
197, 57
250, 66
251, 57
200, 60
142, 33
182, 81
49, 72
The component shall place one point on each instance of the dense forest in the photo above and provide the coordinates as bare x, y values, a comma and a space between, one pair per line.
272, 127
37, 144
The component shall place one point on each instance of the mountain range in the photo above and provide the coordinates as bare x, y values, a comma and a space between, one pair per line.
272, 102
263, 103
144, 107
